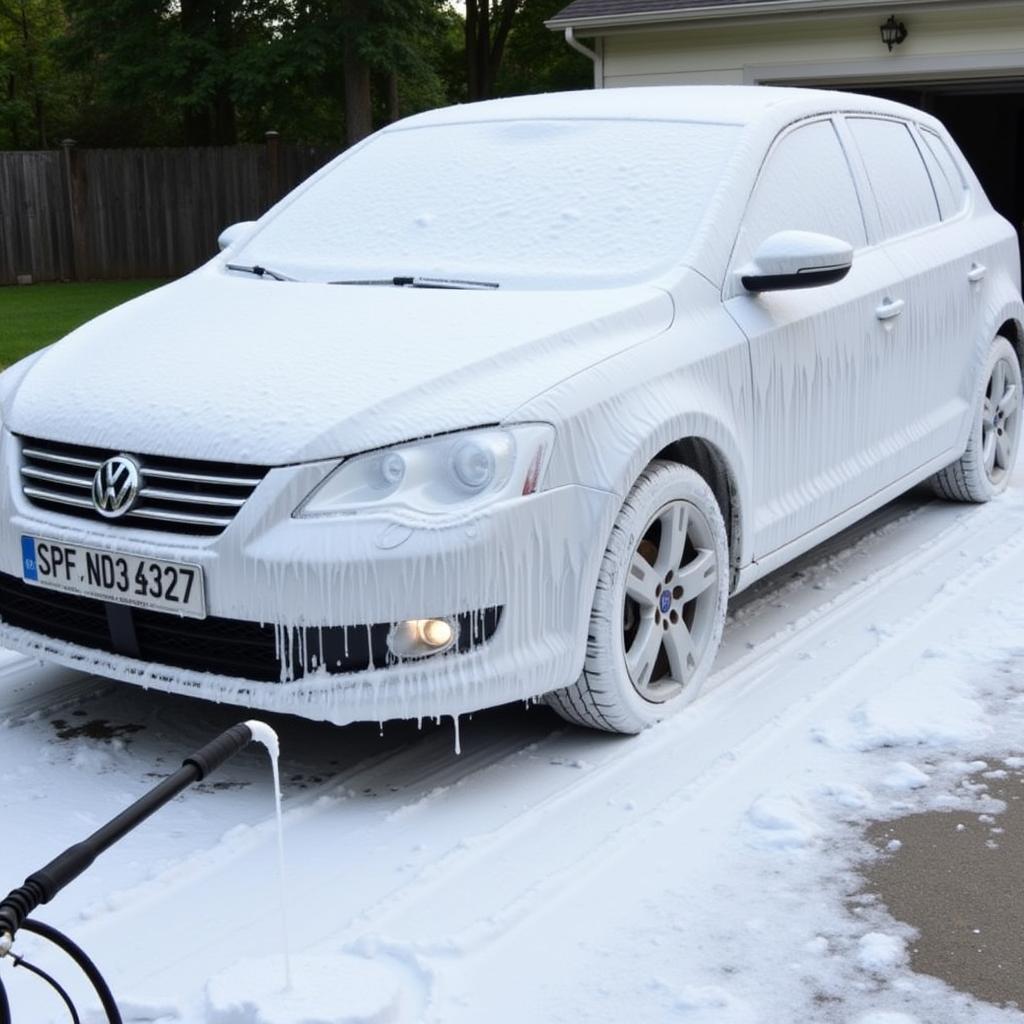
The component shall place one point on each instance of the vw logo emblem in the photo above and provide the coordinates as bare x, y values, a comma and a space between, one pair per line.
116, 486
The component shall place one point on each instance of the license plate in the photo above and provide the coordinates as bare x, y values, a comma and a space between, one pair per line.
124, 579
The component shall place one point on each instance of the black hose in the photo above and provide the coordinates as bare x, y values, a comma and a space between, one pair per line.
5, 1006
43, 885
20, 961
88, 968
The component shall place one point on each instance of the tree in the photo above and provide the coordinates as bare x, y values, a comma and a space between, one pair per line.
33, 95
169, 68
487, 29
216, 72
389, 44
358, 88
537, 59
210, 33
340, 68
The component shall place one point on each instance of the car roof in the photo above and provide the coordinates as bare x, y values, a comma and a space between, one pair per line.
713, 104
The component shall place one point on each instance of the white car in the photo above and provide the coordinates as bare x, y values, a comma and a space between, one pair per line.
505, 402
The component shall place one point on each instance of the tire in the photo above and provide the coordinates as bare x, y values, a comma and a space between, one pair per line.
653, 636
984, 470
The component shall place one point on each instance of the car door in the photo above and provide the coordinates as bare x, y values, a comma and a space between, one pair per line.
821, 358
936, 345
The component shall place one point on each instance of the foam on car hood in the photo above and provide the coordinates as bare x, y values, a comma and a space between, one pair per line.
241, 369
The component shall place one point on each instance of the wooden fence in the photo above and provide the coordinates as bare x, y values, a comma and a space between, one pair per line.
80, 214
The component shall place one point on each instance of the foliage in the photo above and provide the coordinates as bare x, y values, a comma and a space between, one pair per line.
539, 60
173, 72
36, 94
221, 71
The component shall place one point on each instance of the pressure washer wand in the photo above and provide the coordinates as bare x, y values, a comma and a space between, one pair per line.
44, 884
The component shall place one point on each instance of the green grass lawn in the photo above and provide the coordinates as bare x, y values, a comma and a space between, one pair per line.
35, 315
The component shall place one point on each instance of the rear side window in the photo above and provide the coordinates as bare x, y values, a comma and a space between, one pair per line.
949, 182
805, 185
899, 179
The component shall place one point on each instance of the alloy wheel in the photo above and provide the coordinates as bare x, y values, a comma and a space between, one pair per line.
999, 421
670, 601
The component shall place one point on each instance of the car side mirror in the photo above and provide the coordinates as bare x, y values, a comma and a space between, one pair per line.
230, 235
797, 259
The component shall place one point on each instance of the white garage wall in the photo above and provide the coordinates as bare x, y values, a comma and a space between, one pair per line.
981, 40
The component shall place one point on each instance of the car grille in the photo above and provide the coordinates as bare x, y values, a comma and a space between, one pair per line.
229, 647
176, 495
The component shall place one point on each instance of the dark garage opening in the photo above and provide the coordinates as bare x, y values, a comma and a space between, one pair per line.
987, 120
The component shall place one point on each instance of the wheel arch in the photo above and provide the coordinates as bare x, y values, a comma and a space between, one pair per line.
1013, 331
710, 462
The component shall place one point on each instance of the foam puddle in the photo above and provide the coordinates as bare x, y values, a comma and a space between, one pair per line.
262, 733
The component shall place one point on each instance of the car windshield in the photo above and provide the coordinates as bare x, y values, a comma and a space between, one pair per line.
555, 203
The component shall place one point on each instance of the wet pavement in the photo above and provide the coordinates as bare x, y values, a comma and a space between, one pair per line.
958, 878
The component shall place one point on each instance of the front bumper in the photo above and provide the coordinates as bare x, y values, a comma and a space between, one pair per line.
521, 574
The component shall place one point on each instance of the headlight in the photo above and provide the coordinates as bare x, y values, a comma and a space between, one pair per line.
445, 474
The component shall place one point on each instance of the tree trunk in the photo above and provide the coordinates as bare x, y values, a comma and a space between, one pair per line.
484, 53
394, 107
12, 95
33, 87
358, 93
40, 111
509, 8
196, 127
478, 49
210, 22
472, 79
483, 49
195, 121
225, 131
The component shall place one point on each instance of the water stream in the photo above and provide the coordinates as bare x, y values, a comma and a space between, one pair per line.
262, 733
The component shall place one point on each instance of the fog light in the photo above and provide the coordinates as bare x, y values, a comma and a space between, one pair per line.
436, 632
417, 638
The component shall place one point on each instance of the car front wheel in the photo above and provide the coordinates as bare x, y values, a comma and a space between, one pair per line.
660, 605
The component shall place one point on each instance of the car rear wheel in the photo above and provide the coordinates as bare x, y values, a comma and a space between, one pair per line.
659, 609
983, 471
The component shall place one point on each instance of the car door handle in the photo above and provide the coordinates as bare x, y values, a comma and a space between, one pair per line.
889, 309
977, 272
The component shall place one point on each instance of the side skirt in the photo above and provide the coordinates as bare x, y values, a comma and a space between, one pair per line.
776, 559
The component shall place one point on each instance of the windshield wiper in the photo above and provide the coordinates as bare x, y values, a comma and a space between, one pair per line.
259, 271
423, 282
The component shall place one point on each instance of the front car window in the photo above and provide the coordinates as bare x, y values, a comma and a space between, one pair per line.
548, 203
805, 185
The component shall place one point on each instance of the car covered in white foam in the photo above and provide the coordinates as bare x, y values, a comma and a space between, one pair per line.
507, 400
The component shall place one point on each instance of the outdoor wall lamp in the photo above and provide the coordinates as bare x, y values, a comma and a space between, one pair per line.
893, 32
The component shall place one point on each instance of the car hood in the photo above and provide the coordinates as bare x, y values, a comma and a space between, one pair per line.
250, 370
